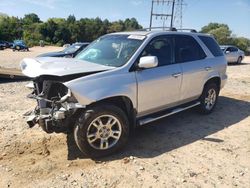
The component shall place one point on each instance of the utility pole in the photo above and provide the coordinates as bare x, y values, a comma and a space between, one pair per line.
172, 9
178, 16
151, 17
172, 15
163, 15
181, 14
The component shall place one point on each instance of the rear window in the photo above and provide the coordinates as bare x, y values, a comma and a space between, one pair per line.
212, 45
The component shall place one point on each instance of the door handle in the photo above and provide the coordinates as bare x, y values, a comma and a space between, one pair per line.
208, 68
176, 74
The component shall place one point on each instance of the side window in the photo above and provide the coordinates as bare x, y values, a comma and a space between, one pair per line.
212, 45
162, 48
234, 49
230, 49
187, 49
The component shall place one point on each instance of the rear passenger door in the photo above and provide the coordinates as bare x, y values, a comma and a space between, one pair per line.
190, 56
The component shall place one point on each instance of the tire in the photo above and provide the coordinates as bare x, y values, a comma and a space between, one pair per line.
209, 98
97, 140
239, 60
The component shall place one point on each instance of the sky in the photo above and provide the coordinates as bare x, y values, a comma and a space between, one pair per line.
196, 13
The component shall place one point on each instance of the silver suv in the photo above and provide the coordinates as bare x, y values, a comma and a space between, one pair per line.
124, 80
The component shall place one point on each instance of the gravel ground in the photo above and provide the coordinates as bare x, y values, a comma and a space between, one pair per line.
184, 150
10, 59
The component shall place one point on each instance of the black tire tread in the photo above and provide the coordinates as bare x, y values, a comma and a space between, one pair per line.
86, 117
201, 107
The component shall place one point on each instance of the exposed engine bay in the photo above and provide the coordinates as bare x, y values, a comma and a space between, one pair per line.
56, 105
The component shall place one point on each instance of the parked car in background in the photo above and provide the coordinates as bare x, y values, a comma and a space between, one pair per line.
19, 45
124, 80
233, 54
6, 44
66, 45
70, 51
1, 46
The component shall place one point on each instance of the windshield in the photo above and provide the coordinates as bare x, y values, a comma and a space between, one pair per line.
112, 50
19, 42
72, 48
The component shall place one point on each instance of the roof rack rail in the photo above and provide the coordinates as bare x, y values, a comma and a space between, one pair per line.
186, 29
168, 29
163, 28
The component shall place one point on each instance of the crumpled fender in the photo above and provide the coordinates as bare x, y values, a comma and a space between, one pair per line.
103, 85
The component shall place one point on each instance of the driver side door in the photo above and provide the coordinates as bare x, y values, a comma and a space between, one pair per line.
159, 87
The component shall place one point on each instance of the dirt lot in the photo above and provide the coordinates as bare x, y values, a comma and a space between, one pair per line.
185, 150
10, 59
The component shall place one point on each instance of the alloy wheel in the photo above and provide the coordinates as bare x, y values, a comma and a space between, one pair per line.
210, 99
104, 132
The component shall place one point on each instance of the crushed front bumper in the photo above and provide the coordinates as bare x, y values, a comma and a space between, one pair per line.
53, 115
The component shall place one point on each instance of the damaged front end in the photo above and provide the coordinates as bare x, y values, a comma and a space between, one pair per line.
56, 105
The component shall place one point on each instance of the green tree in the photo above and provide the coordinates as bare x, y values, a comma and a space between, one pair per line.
10, 28
71, 19
32, 35
131, 24
224, 36
59, 30
241, 42
31, 19
116, 26
221, 32
48, 30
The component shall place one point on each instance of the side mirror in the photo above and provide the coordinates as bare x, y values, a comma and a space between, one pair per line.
148, 62
227, 52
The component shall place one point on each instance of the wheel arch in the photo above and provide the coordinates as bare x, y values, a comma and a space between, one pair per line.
213, 79
124, 103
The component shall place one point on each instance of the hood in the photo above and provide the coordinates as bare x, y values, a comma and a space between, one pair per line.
53, 54
58, 66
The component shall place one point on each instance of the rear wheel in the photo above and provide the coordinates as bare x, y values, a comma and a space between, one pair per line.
101, 130
209, 98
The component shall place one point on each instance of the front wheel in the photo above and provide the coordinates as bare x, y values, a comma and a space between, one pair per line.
209, 98
101, 130
18, 48
239, 60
